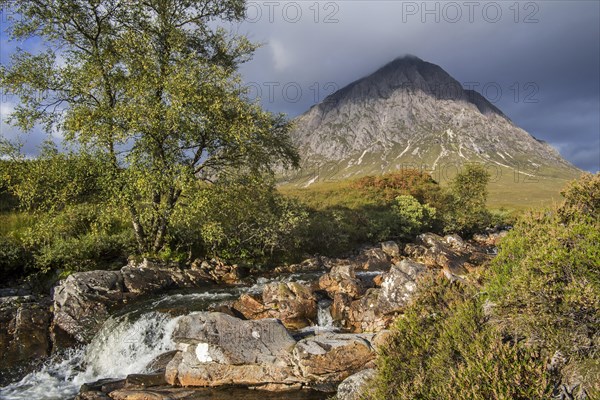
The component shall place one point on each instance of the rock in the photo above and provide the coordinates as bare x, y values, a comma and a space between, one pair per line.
24, 336
356, 386
490, 238
332, 357
140, 381
293, 303
251, 307
374, 259
82, 303
308, 265
103, 385
456, 242
391, 248
368, 314
92, 395
160, 362
148, 277
217, 349
381, 338
341, 279
434, 251
378, 280
399, 284
218, 271
378, 307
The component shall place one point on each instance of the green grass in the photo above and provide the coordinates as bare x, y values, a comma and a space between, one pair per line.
12, 222
509, 191
494, 336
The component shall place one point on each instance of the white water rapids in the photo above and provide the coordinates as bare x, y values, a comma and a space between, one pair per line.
127, 343
121, 348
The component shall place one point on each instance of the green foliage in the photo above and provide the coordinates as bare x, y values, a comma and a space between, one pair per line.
545, 282
441, 348
151, 88
389, 186
241, 219
53, 180
79, 237
87, 252
541, 297
414, 217
464, 209
14, 258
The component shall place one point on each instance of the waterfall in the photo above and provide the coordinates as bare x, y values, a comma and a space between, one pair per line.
123, 346
324, 318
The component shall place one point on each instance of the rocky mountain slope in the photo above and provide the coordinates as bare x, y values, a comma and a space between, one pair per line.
413, 113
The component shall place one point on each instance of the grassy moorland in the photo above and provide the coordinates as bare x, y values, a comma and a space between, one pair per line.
524, 327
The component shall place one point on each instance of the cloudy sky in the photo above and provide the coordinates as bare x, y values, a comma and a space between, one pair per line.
538, 61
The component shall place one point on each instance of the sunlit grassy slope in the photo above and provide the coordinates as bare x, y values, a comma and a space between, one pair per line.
508, 189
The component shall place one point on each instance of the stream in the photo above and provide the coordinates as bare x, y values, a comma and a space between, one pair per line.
137, 334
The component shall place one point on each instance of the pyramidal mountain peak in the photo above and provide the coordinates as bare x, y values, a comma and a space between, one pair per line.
412, 112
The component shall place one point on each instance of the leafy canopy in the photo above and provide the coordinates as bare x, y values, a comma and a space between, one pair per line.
149, 87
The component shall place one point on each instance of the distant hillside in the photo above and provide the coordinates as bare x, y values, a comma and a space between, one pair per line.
411, 113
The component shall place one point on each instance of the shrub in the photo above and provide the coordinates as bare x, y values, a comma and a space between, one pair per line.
545, 282
542, 305
413, 217
14, 258
465, 209
88, 252
243, 219
411, 182
53, 180
441, 348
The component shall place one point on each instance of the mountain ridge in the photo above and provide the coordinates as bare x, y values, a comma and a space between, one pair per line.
410, 111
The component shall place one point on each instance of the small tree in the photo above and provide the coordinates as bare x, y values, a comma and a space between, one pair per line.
151, 88
467, 210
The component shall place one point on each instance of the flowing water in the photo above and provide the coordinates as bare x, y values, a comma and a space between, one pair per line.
132, 338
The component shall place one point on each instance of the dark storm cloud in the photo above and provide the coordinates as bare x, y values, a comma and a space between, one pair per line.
539, 61
543, 56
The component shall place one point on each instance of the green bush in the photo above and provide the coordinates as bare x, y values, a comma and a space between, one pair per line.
78, 237
539, 299
414, 217
387, 187
53, 180
15, 260
88, 252
545, 282
242, 219
464, 208
442, 348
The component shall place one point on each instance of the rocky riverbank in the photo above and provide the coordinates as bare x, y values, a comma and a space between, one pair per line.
268, 340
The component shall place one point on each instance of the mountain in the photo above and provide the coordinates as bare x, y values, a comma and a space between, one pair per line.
411, 113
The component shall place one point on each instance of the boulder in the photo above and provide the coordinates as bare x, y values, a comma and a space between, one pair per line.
217, 349
217, 271
82, 303
391, 248
399, 284
330, 358
308, 265
293, 303
374, 258
356, 386
368, 314
149, 277
341, 279
24, 335
378, 307
451, 255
